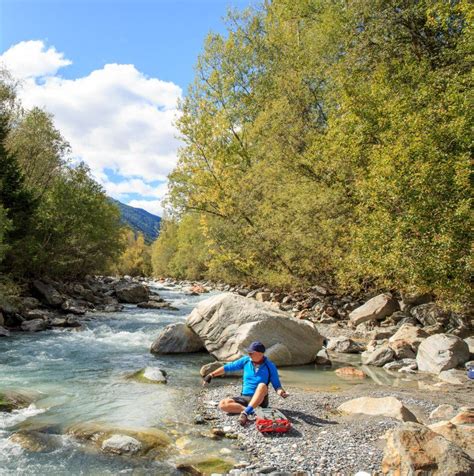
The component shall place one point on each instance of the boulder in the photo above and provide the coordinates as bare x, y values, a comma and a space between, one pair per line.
132, 293
377, 308
350, 372
48, 293
322, 358
411, 334
464, 417
402, 349
279, 354
35, 325
69, 305
429, 314
35, 441
121, 444
4, 332
461, 435
441, 352
415, 449
28, 303
228, 323
210, 367
156, 305
152, 375
175, 339
33, 314
454, 377
400, 364
11, 400
470, 343
344, 345
378, 357
263, 296
387, 406
442, 412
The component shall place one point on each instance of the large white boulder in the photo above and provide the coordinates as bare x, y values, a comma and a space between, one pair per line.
411, 334
377, 308
441, 352
228, 323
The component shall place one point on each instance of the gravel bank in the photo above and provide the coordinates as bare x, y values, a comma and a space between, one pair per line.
321, 440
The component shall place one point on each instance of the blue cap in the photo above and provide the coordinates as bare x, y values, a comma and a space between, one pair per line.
256, 346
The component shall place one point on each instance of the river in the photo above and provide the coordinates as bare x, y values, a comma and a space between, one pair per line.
81, 376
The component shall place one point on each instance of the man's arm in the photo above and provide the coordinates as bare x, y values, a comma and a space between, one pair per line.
275, 380
230, 367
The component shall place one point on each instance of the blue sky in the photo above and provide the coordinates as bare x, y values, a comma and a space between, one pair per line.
111, 71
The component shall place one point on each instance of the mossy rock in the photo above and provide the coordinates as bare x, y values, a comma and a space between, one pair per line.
154, 442
205, 466
11, 400
149, 375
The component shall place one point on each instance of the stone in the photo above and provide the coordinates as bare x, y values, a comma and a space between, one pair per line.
278, 354
35, 441
414, 449
33, 314
350, 372
402, 349
4, 332
263, 296
411, 334
322, 358
470, 343
454, 377
48, 293
205, 465
175, 339
442, 412
73, 307
429, 314
441, 352
228, 323
344, 345
35, 325
460, 435
377, 308
386, 406
11, 400
157, 305
28, 303
464, 417
121, 444
399, 364
132, 293
378, 357
151, 375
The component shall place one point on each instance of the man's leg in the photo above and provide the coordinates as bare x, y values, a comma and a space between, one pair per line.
231, 406
259, 395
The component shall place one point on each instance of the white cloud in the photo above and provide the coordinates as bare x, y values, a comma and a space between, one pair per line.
115, 118
132, 186
32, 59
152, 206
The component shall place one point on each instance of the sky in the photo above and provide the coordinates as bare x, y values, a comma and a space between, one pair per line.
111, 73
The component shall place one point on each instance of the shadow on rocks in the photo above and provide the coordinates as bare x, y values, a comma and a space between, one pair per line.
302, 417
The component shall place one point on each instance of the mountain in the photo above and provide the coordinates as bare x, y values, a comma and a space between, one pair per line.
140, 220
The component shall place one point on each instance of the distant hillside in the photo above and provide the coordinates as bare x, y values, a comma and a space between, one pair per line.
140, 220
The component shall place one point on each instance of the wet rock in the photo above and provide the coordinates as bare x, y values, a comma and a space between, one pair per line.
11, 400
35, 441
132, 293
152, 375
33, 314
121, 444
48, 293
441, 352
322, 358
378, 357
73, 307
205, 465
228, 323
175, 339
350, 372
387, 406
157, 305
400, 364
35, 325
377, 308
4, 332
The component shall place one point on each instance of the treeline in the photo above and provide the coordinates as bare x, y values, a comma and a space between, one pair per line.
55, 219
328, 141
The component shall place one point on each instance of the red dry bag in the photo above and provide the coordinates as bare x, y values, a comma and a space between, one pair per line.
271, 420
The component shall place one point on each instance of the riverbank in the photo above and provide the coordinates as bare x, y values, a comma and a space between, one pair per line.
323, 440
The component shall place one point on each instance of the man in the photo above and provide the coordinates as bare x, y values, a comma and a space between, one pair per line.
258, 372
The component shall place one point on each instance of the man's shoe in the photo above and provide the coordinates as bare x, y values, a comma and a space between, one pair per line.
243, 418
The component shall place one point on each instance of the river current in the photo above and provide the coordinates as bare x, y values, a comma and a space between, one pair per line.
79, 377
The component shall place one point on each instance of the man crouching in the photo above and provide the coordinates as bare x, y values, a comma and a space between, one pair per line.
258, 372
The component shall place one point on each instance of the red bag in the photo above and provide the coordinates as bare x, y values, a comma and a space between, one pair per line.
271, 420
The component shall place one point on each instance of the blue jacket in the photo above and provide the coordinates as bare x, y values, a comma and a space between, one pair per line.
266, 373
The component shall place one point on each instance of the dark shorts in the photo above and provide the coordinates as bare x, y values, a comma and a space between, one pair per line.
245, 400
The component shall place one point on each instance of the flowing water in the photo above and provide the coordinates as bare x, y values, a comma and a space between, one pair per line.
79, 377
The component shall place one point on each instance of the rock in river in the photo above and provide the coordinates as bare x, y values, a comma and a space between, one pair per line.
132, 293
175, 339
228, 323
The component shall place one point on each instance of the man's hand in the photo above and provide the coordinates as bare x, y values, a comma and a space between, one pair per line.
206, 380
282, 393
